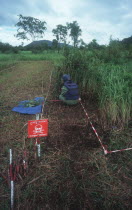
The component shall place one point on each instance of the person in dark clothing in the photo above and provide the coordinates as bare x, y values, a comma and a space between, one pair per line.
69, 91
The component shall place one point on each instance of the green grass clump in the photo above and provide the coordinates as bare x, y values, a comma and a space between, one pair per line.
115, 93
109, 83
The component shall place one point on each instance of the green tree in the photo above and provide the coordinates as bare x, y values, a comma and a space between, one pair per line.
93, 45
30, 28
82, 44
60, 33
54, 44
5, 47
75, 32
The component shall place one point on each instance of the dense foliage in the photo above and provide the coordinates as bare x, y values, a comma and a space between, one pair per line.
103, 74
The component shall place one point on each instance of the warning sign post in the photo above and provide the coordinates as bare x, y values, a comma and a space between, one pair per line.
37, 128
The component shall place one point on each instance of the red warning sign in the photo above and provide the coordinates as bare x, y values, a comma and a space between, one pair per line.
37, 128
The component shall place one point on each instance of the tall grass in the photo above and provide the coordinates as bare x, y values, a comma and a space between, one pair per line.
115, 95
7, 61
29, 56
109, 83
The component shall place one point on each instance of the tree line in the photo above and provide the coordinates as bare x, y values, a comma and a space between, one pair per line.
30, 28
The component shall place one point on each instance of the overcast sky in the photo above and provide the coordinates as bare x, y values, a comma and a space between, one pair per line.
98, 19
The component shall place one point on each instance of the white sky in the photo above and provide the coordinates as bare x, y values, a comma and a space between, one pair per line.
98, 19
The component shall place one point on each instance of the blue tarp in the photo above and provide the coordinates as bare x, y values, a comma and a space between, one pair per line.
29, 110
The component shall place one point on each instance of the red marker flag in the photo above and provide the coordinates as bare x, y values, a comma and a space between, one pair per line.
37, 128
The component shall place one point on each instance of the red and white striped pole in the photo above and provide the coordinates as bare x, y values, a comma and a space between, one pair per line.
37, 143
11, 180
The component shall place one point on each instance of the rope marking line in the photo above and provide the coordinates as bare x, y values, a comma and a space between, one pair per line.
113, 151
46, 94
105, 150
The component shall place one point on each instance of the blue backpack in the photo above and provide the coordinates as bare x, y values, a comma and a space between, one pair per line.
73, 91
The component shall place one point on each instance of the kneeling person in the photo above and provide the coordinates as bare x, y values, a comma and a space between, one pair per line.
69, 91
